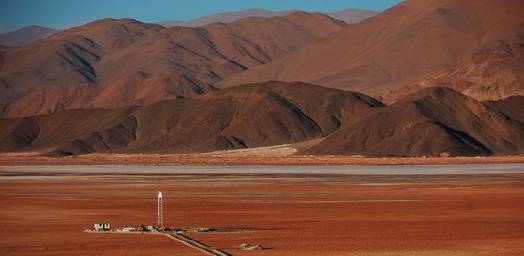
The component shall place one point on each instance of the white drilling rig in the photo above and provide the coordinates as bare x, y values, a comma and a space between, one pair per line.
159, 211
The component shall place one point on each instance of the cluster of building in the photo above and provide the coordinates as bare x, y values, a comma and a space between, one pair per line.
128, 228
142, 228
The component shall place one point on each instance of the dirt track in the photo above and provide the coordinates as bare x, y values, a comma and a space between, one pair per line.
198, 245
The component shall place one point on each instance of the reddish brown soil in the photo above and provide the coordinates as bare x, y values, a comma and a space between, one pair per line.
292, 214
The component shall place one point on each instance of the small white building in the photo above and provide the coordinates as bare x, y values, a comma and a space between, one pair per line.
101, 226
151, 228
128, 229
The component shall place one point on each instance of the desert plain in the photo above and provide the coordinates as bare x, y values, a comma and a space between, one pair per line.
308, 210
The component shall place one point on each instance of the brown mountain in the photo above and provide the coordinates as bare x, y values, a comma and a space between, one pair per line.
138, 92
432, 122
109, 51
246, 116
7, 93
70, 56
413, 41
489, 74
510, 107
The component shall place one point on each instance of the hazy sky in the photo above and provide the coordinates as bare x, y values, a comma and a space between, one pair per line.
66, 13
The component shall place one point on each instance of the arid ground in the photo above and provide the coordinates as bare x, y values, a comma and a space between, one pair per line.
453, 211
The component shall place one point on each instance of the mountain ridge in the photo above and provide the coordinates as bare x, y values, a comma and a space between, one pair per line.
390, 50
239, 117
435, 121
350, 16
110, 50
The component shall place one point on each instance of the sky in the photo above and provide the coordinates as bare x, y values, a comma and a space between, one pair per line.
62, 14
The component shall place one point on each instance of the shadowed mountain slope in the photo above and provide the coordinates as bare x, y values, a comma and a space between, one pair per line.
247, 116
431, 122
511, 107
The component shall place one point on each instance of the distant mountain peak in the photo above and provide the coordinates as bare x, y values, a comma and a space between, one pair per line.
25, 35
349, 16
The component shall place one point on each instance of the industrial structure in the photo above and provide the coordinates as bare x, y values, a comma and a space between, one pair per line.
177, 234
159, 223
128, 228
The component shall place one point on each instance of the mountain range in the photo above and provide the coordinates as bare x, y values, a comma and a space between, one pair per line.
423, 78
349, 16
464, 44
28, 34
111, 51
432, 122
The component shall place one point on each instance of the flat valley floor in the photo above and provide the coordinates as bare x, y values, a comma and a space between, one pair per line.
415, 210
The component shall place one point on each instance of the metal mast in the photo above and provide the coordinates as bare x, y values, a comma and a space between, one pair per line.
159, 210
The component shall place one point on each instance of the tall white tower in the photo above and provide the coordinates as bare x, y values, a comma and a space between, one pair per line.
159, 210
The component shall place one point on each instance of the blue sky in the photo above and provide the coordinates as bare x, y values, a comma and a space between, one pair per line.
66, 13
